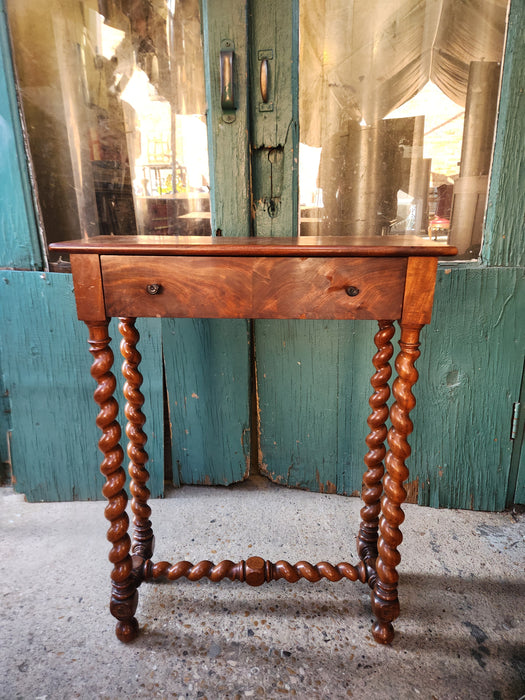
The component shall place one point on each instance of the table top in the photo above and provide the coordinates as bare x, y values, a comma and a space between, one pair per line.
302, 246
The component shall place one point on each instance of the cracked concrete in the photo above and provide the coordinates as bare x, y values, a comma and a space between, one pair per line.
461, 632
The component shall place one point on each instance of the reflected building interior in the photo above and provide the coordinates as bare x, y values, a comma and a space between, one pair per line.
397, 106
397, 110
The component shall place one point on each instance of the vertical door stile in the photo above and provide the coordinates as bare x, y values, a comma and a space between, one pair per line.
207, 362
228, 140
274, 42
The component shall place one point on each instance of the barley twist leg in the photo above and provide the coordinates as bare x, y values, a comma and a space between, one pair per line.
385, 603
372, 478
124, 594
143, 540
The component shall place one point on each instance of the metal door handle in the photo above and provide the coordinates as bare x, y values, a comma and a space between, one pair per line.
263, 79
226, 73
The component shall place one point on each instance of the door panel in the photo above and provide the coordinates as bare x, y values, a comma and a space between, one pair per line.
310, 432
207, 380
312, 381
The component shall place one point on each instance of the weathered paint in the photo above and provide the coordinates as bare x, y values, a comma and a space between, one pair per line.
19, 244
516, 487
504, 240
274, 135
470, 374
313, 383
519, 496
313, 387
5, 410
207, 379
46, 364
227, 142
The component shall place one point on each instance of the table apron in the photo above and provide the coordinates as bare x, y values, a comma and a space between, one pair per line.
253, 287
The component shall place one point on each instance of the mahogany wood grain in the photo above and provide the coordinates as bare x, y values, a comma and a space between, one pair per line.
327, 278
124, 597
253, 287
419, 291
311, 246
87, 282
143, 540
372, 488
385, 603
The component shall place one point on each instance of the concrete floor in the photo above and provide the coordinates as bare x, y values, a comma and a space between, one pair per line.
461, 633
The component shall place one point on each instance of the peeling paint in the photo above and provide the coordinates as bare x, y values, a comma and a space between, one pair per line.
412, 489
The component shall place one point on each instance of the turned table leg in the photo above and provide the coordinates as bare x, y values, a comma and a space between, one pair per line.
143, 539
372, 478
124, 595
385, 603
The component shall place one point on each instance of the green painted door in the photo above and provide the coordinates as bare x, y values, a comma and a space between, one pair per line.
289, 398
313, 377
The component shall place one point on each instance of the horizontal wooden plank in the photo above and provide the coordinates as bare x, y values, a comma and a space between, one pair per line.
311, 246
229, 287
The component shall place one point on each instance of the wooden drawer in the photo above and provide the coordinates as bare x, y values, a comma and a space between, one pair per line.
253, 287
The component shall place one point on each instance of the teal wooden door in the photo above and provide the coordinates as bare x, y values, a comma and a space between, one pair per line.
313, 377
285, 398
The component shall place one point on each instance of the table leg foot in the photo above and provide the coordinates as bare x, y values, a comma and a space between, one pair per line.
385, 606
383, 632
123, 605
127, 631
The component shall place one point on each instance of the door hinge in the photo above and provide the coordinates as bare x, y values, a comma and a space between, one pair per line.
515, 420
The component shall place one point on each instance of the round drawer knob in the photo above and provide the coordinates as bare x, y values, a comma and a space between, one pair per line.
352, 291
153, 288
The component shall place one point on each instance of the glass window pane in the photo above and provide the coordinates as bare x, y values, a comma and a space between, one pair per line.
398, 102
114, 102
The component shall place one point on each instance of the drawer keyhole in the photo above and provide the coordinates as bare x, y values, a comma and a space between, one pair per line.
352, 291
153, 288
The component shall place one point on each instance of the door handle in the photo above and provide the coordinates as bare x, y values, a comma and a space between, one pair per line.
265, 56
263, 80
226, 78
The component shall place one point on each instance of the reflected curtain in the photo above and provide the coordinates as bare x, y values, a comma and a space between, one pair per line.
360, 60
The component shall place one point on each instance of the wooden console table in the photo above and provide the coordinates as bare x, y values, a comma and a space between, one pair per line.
385, 279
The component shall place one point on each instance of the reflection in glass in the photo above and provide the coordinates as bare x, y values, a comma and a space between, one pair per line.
398, 102
114, 102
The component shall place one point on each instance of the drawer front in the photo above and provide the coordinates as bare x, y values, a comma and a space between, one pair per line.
258, 287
